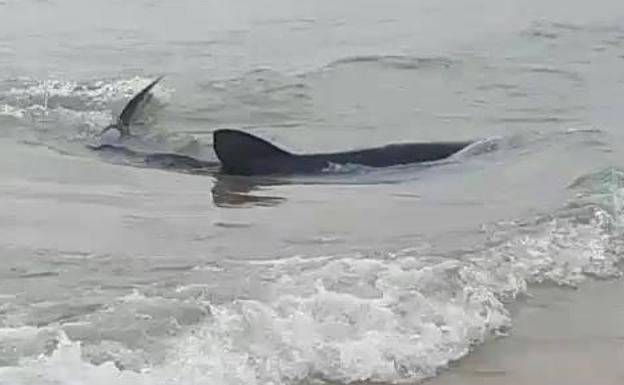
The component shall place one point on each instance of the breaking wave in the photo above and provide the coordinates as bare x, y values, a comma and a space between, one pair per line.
395, 317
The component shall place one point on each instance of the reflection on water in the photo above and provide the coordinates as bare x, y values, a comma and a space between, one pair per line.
237, 191
228, 190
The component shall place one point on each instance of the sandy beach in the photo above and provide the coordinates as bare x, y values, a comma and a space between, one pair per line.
560, 336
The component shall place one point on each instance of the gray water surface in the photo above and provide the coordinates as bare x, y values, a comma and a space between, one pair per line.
118, 274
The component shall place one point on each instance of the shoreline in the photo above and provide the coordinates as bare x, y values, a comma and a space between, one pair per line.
559, 336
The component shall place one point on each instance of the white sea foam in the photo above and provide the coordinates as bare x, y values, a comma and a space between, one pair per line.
71, 102
396, 319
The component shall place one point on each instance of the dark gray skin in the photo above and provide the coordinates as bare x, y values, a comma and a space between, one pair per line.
126, 117
241, 153
160, 160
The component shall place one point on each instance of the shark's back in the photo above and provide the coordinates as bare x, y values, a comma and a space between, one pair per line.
396, 154
245, 154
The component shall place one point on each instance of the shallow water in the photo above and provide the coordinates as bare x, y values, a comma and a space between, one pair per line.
120, 274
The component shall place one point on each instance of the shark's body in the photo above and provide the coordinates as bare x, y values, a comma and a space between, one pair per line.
245, 154
241, 153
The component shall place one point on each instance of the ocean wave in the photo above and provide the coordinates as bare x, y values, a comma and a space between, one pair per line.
395, 317
404, 62
95, 91
67, 102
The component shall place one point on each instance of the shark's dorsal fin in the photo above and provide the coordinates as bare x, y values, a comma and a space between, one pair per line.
242, 153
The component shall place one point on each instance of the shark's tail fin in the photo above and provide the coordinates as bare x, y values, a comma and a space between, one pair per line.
123, 131
129, 111
244, 154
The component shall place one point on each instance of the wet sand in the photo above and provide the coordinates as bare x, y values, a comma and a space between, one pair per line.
560, 336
